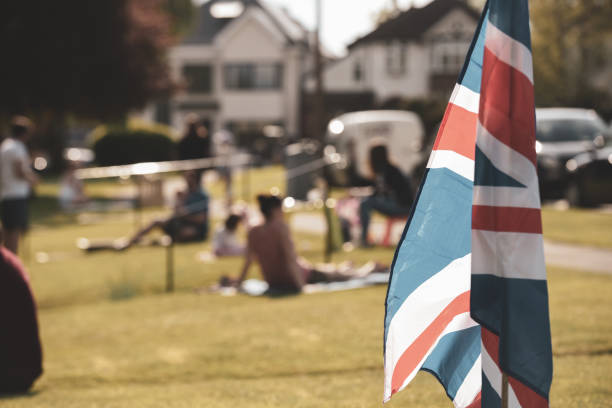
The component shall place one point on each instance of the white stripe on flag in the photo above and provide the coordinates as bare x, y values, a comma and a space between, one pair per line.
460, 322
470, 387
465, 98
491, 371
510, 51
505, 197
507, 159
420, 309
455, 162
522, 256
494, 376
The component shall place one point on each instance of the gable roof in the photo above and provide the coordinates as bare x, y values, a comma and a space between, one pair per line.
206, 27
414, 22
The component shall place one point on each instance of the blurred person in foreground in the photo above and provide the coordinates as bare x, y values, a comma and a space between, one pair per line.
393, 193
225, 242
270, 244
20, 350
16, 181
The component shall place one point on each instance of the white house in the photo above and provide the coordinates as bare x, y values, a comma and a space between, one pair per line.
417, 54
242, 68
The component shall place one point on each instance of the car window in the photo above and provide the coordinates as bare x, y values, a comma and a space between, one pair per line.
568, 130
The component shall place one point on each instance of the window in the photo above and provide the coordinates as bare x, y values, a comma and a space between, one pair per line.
357, 72
448, 57
396, 58
198, 78
253, 76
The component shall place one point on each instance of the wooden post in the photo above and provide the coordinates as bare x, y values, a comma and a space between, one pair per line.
170, 266
504, 396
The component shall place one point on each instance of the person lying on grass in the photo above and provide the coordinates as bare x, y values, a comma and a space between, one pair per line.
271, 246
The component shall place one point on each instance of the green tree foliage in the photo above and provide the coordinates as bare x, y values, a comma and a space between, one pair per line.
182, 14
571, 52
94, 59
84, 59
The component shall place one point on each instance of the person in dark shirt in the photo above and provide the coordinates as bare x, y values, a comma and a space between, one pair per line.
20, 350
393, 193
196, 142
189, 223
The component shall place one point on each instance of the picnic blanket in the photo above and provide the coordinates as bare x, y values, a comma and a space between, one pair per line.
257, 287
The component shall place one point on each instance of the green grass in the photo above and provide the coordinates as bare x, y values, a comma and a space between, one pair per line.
113, 338
576, 226
323, 350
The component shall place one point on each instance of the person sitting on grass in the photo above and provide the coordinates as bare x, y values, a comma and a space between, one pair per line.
188, 223
271, 246
224, 242
393, 194
20, 350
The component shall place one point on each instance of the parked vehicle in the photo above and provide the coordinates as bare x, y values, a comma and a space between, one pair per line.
563, 134
590, 178
351, 135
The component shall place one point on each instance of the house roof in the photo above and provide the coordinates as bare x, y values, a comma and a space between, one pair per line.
206, 27
414, 22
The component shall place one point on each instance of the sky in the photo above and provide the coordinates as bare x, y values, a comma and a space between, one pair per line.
343, 20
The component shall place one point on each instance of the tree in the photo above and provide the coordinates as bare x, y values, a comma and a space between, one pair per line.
90, 59
571, 52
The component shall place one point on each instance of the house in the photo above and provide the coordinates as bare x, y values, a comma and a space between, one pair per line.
241, 67
416, 54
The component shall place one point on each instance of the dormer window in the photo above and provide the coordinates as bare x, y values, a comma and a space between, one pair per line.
227, 9
357, 71
396, 58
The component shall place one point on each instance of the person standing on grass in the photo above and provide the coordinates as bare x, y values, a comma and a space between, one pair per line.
20, 350
393, 193
16, 181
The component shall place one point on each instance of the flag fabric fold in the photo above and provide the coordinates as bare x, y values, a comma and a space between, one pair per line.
427, 322
467, 295
508, 291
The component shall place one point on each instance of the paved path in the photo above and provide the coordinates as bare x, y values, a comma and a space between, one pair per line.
557, 254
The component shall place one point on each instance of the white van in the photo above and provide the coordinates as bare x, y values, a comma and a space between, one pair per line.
351, 135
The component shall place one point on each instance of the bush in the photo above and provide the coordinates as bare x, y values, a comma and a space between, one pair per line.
116, 146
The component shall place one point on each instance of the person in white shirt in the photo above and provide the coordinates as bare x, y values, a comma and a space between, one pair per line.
16, 181
225, 242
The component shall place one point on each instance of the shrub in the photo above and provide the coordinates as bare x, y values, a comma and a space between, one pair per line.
116, 146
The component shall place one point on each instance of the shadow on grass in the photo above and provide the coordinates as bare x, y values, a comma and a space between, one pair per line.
123, 289
23, 395
584, 353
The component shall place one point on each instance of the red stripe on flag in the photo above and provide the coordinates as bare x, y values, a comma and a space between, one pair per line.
506, 219
526, 396
507, 107
490, 341
458, 131
413, 355
477, 402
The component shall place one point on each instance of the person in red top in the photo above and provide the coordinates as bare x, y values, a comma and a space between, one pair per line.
271, 246
20, 350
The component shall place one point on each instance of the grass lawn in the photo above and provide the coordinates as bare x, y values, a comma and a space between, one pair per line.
578, 226
112, 338
323, 350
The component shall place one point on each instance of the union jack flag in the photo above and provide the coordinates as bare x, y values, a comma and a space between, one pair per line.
467, 299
